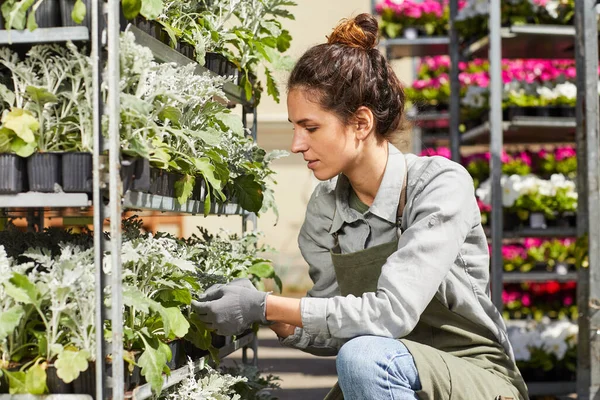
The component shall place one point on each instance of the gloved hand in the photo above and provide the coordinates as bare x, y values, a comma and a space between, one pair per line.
232, 308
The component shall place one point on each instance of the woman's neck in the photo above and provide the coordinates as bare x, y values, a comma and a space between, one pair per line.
367, 172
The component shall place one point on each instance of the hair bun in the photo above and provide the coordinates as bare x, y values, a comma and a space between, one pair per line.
359, 32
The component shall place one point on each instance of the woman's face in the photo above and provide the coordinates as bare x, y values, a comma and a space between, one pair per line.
327, 145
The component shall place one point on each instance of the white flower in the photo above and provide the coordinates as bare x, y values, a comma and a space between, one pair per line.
567, 89
546, 93
475, 97
552, 8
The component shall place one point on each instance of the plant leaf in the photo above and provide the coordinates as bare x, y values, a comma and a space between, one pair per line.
131, 8
22, 123
184, 188
205, 167
272, 89
232, 122
9, 320
151, 9
69, 364
21, 289
262, 269
177, 322
7, 95
16, 382
152, 362
22, 148
41, 95
35, 380
249, 193
79, 12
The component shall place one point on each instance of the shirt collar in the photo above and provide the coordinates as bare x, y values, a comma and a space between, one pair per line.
385, 205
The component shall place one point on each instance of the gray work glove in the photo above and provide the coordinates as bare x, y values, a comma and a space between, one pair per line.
232, 308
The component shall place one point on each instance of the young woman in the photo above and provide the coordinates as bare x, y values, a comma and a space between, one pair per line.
394, 242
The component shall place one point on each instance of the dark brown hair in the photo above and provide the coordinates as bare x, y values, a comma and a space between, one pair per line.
348, 72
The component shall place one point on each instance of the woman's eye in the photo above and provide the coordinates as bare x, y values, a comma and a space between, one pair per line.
312, 129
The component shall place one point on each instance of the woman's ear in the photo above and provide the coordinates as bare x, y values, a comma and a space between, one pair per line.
363, 122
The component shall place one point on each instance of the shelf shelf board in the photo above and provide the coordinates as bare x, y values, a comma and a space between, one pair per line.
44, 200
529, 41
517, 277
419, 47
146, 201
165, 53
556, 232
551, 388
45, 35
526, 130
428, 116
144, 392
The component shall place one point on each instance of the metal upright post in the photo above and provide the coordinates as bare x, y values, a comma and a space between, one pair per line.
588, 173
454, 85
496, 144
102, 391
115, 190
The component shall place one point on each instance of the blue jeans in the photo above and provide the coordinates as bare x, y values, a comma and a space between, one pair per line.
372, 367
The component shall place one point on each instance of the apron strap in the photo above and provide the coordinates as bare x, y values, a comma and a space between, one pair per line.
403, 195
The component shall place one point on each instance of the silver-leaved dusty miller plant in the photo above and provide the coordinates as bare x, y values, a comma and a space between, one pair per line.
211, 385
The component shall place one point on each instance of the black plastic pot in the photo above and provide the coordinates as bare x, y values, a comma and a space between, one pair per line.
66, 8
3, 384
192, 351
216, 63
141, 175
543, 111
44, 172
199, 192
150, 27
178, 358
55, 384
514, 111
187, 50
86, 381
12, 173
77, 174
566, 111
510, 221
127, 172
155, 180
48, 14
218, 341
565, 220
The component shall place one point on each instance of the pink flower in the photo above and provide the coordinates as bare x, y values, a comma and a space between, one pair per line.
524, 157
532, 242
564, 152
440, 151
510, 252
526, 300
483, 207
568, 301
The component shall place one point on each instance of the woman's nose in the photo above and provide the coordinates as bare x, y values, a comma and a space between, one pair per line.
299, 144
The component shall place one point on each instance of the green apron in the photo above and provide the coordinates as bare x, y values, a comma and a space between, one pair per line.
456, 358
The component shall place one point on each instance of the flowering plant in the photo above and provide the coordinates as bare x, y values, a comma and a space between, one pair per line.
544, 349
533, 253
562, 160
431, 16
526, 194
538, 299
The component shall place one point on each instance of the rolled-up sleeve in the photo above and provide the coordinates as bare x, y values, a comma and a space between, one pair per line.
439, 216
314, 242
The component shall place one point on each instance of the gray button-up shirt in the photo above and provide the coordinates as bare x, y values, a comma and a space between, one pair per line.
442, 252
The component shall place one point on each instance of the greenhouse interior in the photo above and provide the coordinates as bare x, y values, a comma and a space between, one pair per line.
156, 205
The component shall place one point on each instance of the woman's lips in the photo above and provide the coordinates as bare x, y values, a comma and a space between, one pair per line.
312, 164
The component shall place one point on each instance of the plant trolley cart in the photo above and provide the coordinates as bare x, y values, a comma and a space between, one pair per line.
110, 181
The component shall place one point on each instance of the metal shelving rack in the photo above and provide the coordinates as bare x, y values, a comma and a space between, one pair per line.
530, 41
537, 41
106, 36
